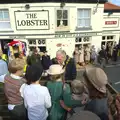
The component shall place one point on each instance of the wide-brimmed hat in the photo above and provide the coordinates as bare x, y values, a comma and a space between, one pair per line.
98, 78
55, 70
84, 115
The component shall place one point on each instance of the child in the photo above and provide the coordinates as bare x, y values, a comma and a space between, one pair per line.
79, 94
36, 97
13, 83
58, 92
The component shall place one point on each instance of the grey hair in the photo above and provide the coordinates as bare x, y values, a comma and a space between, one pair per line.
77, 87
61, 52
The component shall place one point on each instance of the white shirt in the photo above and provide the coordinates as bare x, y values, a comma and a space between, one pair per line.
36, 99
4, 67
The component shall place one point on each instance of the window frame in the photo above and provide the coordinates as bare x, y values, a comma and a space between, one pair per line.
62, 28
89, 18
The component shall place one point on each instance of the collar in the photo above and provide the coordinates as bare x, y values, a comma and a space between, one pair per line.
15, 76
59, 80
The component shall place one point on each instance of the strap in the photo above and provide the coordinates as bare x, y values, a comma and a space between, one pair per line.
66, 63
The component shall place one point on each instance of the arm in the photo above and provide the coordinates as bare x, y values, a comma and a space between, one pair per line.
2, 78
22, 94
67, 98
47, 99
73, 69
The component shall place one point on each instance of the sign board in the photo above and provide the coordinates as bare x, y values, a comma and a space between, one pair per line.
73, 35
32, 20
111, 22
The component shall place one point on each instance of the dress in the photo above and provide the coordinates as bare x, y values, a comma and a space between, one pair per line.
76, 56
56, 111
81, 56
57, 93
87, 54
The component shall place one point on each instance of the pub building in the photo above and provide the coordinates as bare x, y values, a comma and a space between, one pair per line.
51, 25
111, 27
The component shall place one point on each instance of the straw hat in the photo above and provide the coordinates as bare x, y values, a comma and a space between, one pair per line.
84, 115
98, 78
55, 70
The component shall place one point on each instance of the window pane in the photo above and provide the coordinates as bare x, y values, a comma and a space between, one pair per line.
6, 15
86, 13
81, 22
58, 23
65, 22
1, 15
5, 25
103, 37
87, 22
80, 13
65, 14
59, 14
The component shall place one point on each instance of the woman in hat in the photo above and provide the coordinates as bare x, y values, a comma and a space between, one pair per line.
96, 81
36, 97
59, 91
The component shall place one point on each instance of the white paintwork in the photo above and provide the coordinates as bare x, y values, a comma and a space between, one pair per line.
97, 24
67, 44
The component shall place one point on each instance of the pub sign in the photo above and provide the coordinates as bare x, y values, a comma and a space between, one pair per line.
32, 20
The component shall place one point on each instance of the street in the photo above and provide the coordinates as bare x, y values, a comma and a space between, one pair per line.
114, 76
113, 73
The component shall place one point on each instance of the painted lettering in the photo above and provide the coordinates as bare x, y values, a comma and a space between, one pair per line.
32, 22
110, 22
31, 15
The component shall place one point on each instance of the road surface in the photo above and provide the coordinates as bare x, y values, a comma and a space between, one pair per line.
113, 73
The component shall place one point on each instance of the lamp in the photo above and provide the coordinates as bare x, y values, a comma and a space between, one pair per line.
62, 4
110, 13
95, 10
27, 6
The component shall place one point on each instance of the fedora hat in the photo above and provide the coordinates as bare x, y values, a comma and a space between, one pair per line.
98, 78
55, 70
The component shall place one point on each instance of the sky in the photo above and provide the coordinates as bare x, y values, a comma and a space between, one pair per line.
117, 2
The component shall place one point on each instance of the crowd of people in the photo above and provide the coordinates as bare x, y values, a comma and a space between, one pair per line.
89, 54
62, 97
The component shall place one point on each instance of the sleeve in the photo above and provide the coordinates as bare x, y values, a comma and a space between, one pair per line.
22, 94
22, 89
25, 103
2, 78
67, 98
47, 99
74, 71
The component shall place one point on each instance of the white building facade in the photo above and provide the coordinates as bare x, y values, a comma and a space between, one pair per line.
111, 25
51, 26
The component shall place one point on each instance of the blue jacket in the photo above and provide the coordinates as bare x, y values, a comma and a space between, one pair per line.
46, 62
99, 107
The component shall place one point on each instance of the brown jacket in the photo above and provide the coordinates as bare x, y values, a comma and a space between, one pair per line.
11, 89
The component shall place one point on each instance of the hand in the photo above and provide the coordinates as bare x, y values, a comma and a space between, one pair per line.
84, 101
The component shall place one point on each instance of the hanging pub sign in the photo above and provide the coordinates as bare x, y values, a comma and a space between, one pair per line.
32, 20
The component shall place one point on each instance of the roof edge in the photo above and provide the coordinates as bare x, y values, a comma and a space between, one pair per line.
52, 1
115, 10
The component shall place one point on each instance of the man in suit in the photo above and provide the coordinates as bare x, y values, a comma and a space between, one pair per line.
68, 64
